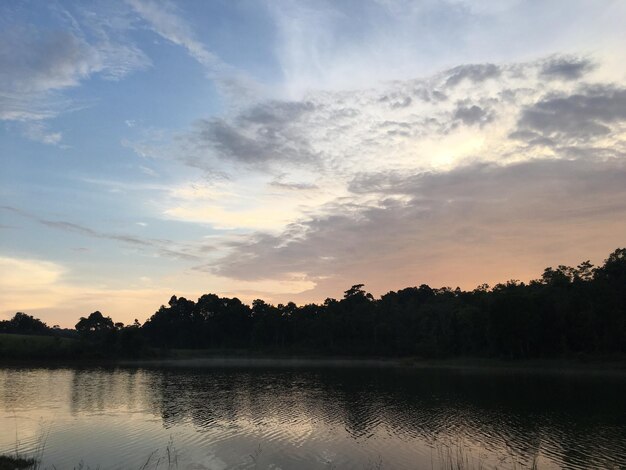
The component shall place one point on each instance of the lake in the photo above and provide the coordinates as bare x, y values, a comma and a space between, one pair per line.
312, 417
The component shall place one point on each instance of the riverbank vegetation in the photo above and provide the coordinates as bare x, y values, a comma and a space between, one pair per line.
566, 312
8, 462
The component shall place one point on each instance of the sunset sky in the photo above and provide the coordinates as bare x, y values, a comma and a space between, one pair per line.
286, 150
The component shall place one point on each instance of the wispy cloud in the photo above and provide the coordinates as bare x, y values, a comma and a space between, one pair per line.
342, 45
37, 65
161, 247
167, 23
165, 19
567, 67
39, 132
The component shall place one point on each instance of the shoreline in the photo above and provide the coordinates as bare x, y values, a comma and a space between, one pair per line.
559, 366
549, 366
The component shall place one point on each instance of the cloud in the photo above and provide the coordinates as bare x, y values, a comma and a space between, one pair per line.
34, 64
165, 19
33, 61
148, 171
580, 116
471, 115
261, 134
409, 123
566, 68
166, 22
247, 204
15, 273
42, 288
293, 186
161, 247
473, 73
341, 45
482, 221
427, 123
346, 45
26, 283
39, 132
37, 64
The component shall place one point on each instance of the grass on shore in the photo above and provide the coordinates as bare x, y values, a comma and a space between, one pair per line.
33, 346
48, 349
8, 462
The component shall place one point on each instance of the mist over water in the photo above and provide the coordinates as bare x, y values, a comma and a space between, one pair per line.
312, 417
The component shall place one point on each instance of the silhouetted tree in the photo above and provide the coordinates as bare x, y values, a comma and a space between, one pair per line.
24, 324
95, 327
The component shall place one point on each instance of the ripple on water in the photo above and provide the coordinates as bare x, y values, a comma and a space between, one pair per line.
311, 418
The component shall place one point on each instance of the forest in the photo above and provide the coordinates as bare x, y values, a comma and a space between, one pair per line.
568, 311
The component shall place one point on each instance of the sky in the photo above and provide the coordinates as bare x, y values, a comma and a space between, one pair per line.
286, 150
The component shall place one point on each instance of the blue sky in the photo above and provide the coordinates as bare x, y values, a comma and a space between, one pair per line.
287, 150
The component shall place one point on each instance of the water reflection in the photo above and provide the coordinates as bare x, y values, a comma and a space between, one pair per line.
303, 418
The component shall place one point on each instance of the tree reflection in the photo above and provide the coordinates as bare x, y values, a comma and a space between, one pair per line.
521, 414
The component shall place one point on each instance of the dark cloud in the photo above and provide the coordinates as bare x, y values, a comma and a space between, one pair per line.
275, 113
475, 73
34, 61
566, 68
471, 115
532, 138
480, 221
489, 181
579, 116
617, 151
263, 134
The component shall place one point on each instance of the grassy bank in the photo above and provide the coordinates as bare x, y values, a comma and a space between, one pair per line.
35, 350
16, 346
48, 349
609, 365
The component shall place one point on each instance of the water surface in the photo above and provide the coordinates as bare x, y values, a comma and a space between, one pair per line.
312, 417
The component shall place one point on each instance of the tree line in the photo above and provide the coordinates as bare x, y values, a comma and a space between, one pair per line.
568, 310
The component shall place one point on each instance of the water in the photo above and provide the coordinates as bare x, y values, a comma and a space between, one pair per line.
311, 418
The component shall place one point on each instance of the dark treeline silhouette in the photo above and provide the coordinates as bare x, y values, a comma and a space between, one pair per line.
567, 311
24, 324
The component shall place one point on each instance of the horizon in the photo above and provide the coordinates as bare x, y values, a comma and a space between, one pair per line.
288, 151
363, 287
